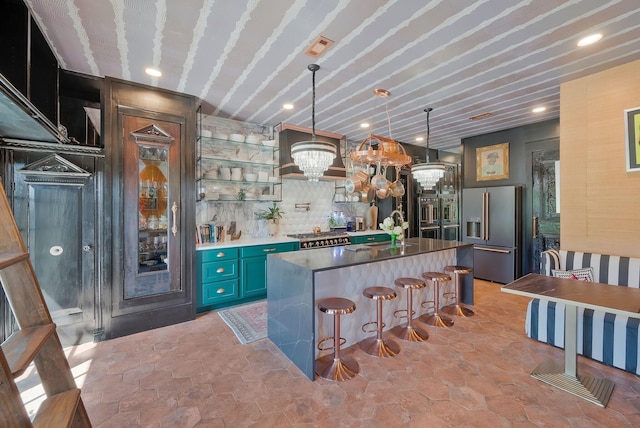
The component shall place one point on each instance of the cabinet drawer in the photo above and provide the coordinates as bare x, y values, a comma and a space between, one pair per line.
262, 250
364, 239
221, 254
219, 291
217, 271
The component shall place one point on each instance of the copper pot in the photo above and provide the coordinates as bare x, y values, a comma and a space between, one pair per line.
368, 194
397, 189
383, 193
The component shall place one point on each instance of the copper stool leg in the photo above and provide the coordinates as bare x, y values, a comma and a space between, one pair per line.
409, 332
456, 308
377, 346
437, 319
336, 367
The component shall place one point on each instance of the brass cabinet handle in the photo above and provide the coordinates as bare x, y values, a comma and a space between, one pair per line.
174, 210
268, 250
371, 238
220, 254
220, 270
220, 290
535, 227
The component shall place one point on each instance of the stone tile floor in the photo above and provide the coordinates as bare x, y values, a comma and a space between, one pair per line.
476, 374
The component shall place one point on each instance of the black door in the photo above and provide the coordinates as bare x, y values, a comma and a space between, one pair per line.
542, 216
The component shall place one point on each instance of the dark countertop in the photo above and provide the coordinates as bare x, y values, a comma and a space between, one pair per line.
337, 257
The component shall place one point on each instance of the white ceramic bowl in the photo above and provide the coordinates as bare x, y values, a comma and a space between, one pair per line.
238, 138
252, 139
273, 179
250, 177
221, 136
269, 143
206, 133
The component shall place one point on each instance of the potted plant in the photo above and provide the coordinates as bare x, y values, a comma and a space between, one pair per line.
273, 215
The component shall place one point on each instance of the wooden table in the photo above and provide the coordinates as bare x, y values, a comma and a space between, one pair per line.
601, 297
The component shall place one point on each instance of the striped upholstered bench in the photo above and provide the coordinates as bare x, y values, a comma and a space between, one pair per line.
609, 338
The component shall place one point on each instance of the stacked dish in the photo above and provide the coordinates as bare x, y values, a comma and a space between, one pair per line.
250, 177
220, 136
238, 138
269, 143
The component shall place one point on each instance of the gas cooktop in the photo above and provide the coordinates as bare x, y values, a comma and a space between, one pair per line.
322, 239
320, 235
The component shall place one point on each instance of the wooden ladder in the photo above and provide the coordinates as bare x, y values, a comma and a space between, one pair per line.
36, 341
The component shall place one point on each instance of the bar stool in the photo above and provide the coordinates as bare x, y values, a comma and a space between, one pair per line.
409, 332
377, 346
437, 318
457, 308
336, 366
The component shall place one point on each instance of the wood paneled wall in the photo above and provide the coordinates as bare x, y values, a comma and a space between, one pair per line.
600, 201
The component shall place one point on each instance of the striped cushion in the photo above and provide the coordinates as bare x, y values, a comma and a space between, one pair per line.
602, 336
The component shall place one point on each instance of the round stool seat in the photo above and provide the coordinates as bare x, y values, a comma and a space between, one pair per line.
379, 293
409, 283
377, 346
462, 270
336, 367
336, 306
409, 332
456, 308
436, 276
436, 319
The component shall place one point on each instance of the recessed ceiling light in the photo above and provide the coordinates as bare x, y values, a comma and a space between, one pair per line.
153, 72
539, 109
589, 40
419, 139
287, 106
364, 125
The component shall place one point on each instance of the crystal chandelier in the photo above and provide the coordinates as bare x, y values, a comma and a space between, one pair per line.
429, 173
313, 157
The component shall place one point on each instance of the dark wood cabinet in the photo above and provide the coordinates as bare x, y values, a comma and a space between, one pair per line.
149, 136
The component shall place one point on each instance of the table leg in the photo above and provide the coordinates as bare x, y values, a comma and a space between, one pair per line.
590, 388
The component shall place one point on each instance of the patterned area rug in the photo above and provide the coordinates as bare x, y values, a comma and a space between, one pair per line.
248, 322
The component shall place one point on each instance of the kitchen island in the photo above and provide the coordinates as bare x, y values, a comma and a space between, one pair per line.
296, 280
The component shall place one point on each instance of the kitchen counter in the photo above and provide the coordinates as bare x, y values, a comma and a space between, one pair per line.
297, 280
228, 243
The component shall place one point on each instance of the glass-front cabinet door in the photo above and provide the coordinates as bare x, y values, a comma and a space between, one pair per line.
152, 265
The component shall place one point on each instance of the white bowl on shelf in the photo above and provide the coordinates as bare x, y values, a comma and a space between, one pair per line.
221, 136
206, 133
250, 177
273, 179
252, 139
269, 143
238, 138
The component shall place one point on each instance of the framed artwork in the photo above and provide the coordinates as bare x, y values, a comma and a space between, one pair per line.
632, 138
492, 162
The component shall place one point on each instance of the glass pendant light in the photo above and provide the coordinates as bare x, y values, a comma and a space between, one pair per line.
429, 173
313, 157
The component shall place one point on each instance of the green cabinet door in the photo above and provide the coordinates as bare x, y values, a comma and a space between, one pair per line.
254, 276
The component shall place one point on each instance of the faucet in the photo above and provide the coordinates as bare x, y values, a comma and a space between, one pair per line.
404, 245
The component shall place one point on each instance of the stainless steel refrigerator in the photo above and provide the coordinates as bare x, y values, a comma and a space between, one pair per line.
492, 221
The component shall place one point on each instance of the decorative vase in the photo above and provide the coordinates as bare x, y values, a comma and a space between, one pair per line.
393, 243
273, 226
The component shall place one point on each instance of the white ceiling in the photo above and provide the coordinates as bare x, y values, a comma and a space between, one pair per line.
244, 59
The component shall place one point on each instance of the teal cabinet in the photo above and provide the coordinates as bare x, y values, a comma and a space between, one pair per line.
217, 278
236, 275
367, 239
254, 266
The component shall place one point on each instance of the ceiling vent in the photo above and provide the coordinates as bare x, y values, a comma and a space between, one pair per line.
318, 47
480, 116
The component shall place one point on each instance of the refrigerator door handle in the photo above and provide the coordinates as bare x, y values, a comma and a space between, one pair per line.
485, 216
492, 250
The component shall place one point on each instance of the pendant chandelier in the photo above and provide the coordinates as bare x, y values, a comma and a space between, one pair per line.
313, 157
429, 173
